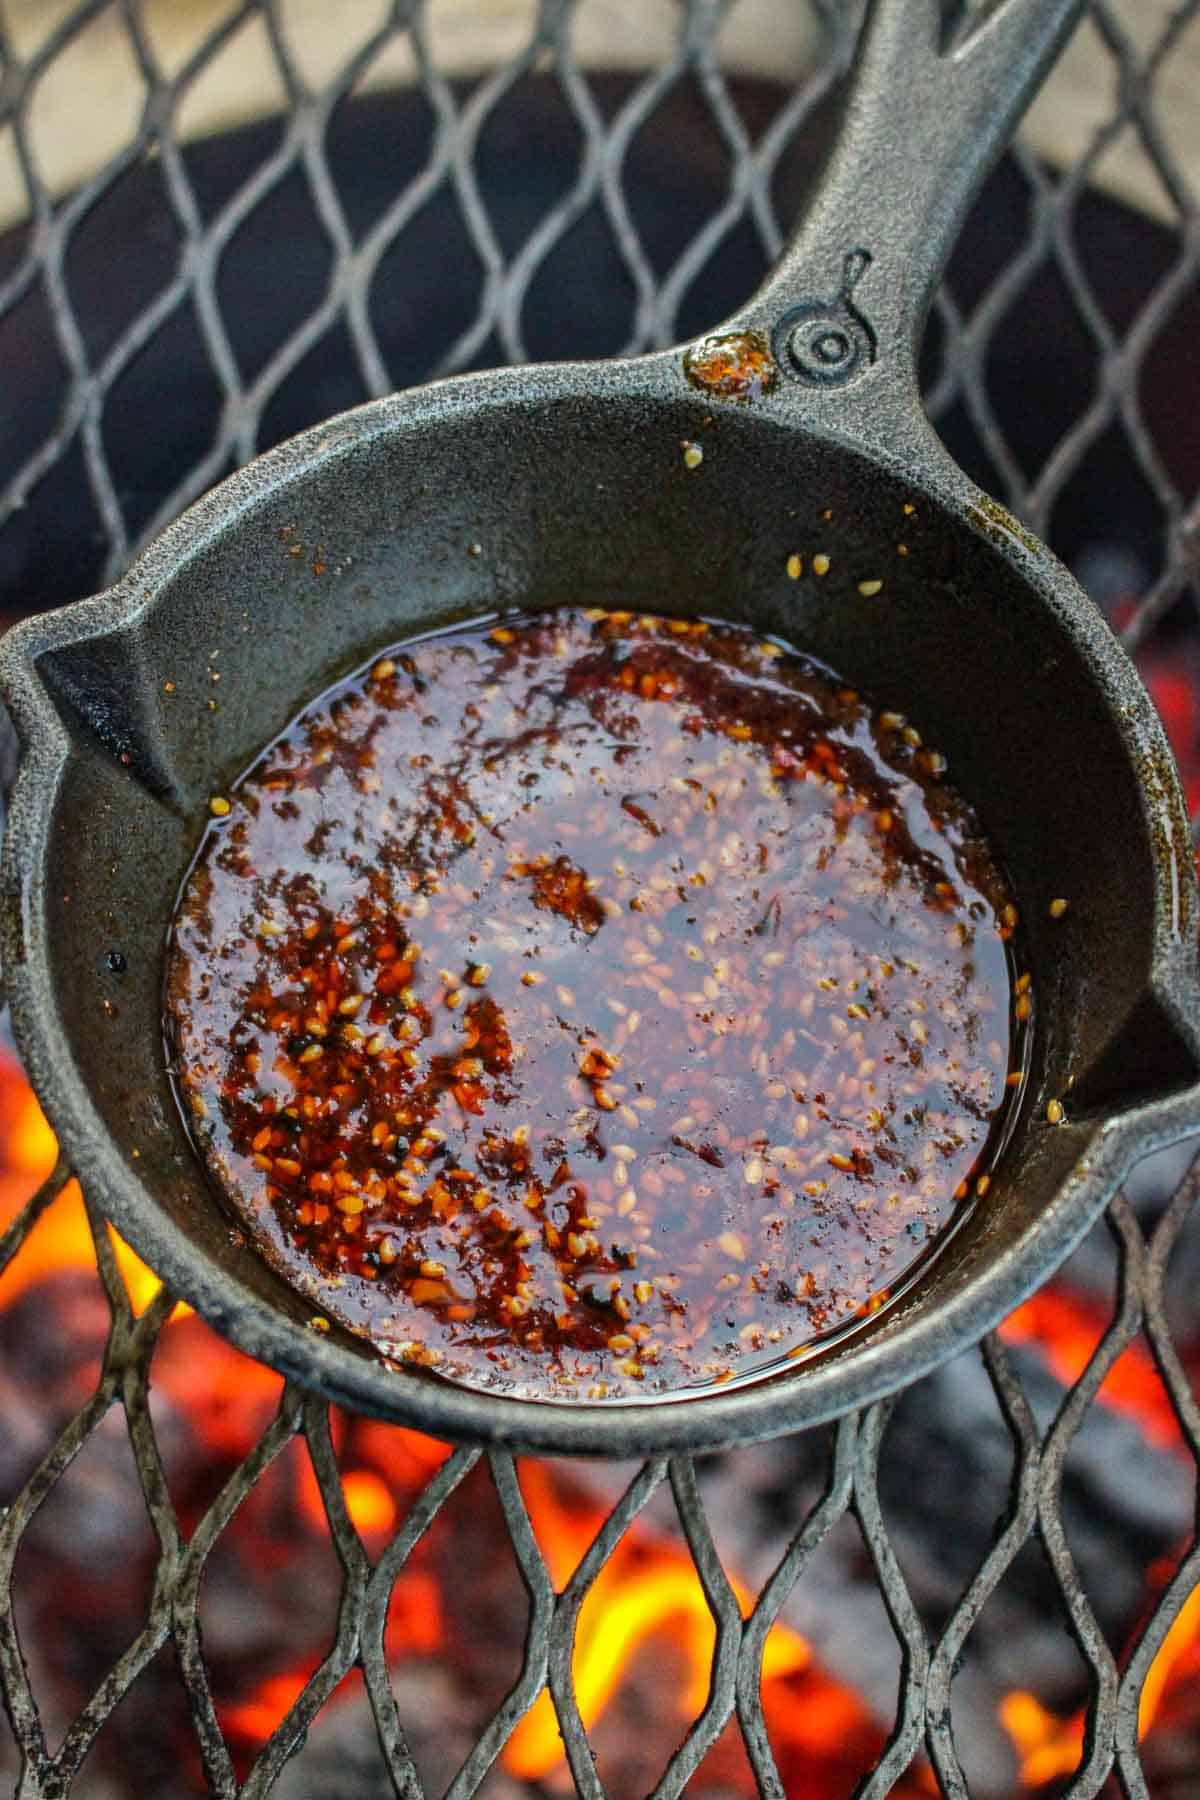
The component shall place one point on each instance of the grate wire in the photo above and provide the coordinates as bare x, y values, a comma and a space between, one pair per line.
964, 399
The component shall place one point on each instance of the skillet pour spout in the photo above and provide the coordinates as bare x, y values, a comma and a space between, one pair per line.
581, 483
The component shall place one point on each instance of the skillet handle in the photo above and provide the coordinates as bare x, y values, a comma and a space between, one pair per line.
924, 120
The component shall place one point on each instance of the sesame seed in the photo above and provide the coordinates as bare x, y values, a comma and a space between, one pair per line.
693, 455
820, 563
218, 806
1058, 908
1055, 1112
868, 589
795, 568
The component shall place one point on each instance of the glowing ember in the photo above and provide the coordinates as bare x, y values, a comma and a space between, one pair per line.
1066, 1330
257, 1717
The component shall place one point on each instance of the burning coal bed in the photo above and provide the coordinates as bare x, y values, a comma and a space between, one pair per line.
455, 1625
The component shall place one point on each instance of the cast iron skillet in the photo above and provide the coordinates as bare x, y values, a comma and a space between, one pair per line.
567, 483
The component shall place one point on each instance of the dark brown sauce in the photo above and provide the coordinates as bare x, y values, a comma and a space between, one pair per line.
595, 1004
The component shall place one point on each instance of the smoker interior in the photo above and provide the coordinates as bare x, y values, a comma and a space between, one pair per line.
437, 512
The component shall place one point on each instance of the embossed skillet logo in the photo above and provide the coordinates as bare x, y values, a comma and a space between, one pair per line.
827, 343
821, 342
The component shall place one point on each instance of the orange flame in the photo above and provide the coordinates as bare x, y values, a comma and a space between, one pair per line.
30, 1151
1046, 1745
62, 1240
1049, 1746
62, 1237
647, 1588
370, 1506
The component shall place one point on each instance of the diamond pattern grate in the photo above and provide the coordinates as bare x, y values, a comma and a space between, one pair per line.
1117, 427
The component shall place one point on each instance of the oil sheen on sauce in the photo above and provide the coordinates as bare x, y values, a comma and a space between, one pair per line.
596, 1004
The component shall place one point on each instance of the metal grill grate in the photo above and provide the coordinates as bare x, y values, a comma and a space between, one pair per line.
985, 334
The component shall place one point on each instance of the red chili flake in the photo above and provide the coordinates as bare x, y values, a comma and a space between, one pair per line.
562, 887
